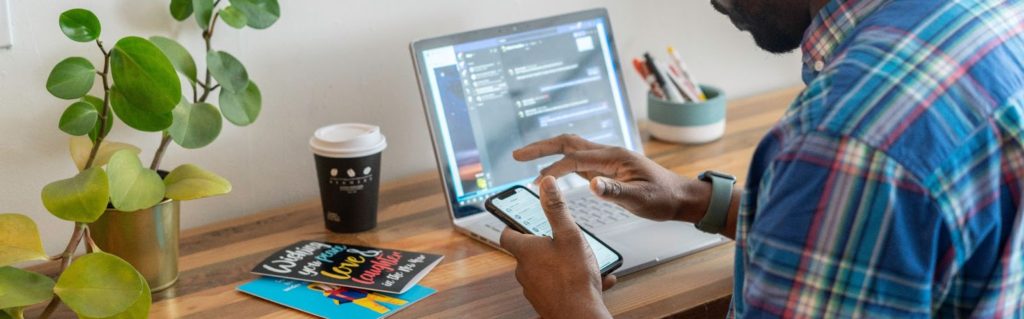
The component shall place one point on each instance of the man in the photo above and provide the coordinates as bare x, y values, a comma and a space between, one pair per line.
891, 188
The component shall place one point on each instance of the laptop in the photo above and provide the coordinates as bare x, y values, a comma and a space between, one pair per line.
488, 92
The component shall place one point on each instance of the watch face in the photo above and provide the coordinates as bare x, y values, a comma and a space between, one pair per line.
706, 176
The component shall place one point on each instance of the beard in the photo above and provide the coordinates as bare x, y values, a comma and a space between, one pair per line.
775, 25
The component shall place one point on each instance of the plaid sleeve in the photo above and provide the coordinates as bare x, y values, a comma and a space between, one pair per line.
829, 237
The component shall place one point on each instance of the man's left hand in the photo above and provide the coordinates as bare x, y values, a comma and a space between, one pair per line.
559, 274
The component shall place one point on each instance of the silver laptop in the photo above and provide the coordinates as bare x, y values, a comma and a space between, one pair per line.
491, 91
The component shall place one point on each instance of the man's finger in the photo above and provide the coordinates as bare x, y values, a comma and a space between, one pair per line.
512, 241
596, 162
608, 281
555, 208
616, 191
565, 143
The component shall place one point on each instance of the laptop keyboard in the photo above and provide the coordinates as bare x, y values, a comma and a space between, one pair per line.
590, 212
593, 213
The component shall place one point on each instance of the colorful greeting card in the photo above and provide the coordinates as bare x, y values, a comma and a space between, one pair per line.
377, 269
330, 301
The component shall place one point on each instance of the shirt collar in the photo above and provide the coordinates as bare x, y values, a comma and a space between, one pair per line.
830, 27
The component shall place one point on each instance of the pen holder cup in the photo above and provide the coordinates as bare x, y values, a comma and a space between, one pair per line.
687, 122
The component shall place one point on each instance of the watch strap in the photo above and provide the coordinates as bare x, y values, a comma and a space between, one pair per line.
721, 198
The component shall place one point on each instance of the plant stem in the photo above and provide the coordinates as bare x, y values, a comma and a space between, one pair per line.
50, 307
207, 35
206, 92
164, 142
102, 132
65, 260
90, 245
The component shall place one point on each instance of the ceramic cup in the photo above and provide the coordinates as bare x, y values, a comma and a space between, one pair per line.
688, 122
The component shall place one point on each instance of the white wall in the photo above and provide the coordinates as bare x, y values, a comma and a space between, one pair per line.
325, 61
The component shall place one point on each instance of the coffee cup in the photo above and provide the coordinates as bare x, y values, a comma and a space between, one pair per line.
347, 160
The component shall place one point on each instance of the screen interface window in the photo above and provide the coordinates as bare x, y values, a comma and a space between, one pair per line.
525, 209
495, 95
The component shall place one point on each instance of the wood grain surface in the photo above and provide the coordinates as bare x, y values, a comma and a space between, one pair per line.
474, 280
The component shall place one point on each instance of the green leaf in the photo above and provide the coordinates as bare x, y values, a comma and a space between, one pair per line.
6, 313
21, 288
204, 11
80, 25
97, 103
132, 186
137, 117
19, 242
233, 17
82, 198
180, 57
99, 285
79, 119
139, 309
188, 182
228, 71
195, 125
241, 108
144, 75
80, 148
71, 78
260, 14
181, 9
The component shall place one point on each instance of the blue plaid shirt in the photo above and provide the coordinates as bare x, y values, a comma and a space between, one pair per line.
892, 187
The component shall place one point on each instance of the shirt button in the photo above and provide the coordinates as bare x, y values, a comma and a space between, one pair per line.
819, 65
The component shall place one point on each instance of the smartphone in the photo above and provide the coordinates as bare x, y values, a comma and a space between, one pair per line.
520, 208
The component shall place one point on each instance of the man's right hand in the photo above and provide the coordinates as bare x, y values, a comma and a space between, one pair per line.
626, 178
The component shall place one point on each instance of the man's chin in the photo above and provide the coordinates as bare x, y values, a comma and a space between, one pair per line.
740, 26
775, 42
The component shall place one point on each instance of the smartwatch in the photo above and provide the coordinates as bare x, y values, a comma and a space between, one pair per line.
721, 197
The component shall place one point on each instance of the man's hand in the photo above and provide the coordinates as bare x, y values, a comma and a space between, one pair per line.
559, 275
628, 179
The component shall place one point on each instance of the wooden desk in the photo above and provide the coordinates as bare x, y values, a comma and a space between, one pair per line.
474, 280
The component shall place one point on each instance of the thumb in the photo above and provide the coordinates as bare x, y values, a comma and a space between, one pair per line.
614, 190
608, 281
556, 209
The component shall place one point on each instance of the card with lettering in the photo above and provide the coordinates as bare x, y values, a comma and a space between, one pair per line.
329, 301
376, 269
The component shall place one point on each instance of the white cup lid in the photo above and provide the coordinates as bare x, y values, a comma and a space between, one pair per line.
348, 140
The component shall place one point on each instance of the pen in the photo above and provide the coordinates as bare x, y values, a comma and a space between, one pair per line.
678, 86
685, 86
659, 76
685, 73
641, 68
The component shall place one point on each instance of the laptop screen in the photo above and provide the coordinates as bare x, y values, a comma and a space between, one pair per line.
492, 91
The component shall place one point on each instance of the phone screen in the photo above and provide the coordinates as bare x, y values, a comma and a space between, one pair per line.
525, 208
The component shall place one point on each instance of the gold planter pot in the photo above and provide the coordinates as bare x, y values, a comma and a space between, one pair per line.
148, 239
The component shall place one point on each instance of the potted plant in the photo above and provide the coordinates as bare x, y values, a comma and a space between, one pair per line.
125, 212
